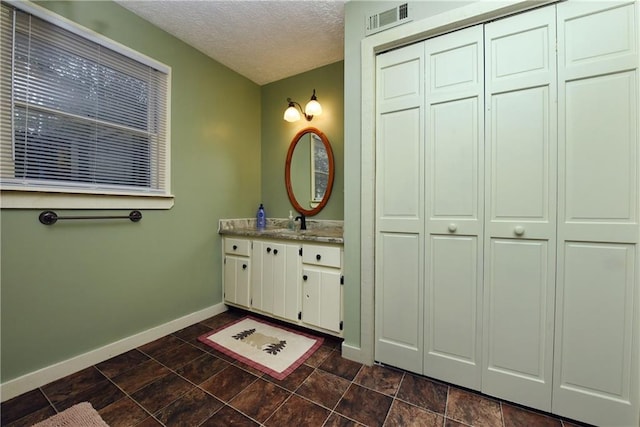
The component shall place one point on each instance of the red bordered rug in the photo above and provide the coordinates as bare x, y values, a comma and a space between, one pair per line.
272, 349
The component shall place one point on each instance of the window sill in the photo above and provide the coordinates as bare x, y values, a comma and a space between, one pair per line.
20, 199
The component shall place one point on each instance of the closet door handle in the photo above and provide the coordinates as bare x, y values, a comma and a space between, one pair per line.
268, 250
518, 230
275, 252
244, 266
235, 247
318, 257
304, 277
452, 228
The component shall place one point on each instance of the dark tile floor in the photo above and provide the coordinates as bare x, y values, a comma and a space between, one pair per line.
177, 381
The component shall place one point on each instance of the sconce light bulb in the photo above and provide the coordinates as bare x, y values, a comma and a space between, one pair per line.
291, 114
313, 108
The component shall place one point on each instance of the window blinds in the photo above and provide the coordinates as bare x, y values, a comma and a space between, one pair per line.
77, 114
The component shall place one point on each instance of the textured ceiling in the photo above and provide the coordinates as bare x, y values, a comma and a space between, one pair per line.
263, 40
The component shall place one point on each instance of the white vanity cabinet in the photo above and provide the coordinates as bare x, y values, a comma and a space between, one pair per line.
321, 286
237, 270
275, 278
295, 280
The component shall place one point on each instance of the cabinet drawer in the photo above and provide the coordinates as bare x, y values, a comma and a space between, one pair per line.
327, 256
237, 246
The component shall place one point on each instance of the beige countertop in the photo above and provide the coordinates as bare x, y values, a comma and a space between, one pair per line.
325, 231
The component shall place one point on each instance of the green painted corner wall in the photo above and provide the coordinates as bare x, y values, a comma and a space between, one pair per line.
277, 134
73, 287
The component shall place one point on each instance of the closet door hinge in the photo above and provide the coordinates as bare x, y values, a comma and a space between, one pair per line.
300, 251
299, 315
342, 280
341, 324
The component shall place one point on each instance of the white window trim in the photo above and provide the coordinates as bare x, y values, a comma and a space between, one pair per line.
56, 198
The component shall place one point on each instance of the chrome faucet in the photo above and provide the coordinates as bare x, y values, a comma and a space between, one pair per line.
303, 221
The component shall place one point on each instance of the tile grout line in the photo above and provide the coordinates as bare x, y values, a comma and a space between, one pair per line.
332, 412
150, 357
446, 407
240, 366
151, 415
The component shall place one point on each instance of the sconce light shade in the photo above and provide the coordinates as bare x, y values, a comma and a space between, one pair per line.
313, 108
291, 114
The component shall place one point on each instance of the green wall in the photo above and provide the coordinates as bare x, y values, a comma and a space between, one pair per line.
277, 134
73, 287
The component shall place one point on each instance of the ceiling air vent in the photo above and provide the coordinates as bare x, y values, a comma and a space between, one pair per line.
387, 19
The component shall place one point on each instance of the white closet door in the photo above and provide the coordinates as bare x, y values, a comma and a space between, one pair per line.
520, 194
400, 208
597, 341
454, 203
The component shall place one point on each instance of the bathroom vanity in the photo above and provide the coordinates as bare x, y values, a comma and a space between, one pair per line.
292, 275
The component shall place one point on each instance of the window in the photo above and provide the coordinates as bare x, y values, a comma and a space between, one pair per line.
319, 169
79, 114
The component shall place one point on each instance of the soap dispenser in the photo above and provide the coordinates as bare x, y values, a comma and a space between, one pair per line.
291, 225
261, 218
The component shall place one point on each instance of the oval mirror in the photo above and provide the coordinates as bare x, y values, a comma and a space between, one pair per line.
309, 171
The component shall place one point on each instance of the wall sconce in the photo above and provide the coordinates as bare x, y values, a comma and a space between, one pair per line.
313, 108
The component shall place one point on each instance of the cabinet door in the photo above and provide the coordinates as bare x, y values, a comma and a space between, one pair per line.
268, 268
597, 336
321, 298
275, 278
286, 283
261, 293
454, 203
236, 280
399, 240
520, 200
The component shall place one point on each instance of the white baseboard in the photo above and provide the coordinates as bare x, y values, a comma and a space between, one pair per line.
59, 370
356, 354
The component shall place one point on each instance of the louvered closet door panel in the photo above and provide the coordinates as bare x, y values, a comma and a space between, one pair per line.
520, 194
597, 344
400, 208
454, 173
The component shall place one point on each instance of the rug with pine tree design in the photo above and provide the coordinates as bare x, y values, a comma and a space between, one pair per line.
272, 349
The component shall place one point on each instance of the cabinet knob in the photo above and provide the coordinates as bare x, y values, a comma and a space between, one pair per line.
304, 277
318, 256
268, 250
518, 230
452, 227
275, 252
244, 266
235, 247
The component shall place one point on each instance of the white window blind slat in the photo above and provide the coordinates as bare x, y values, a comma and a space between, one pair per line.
80, 114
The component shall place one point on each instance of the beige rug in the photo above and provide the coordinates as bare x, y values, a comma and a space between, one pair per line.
80, 415
273, 349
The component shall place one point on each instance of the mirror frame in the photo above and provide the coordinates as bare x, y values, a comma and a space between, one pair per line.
287, 172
